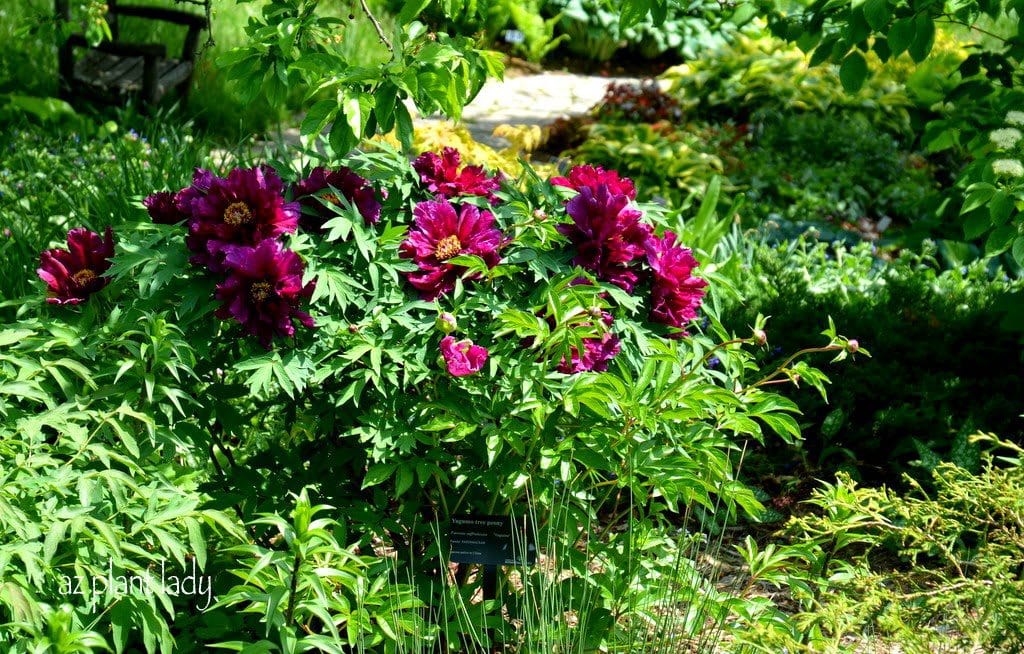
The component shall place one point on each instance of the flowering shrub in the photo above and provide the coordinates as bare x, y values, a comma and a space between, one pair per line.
468, 343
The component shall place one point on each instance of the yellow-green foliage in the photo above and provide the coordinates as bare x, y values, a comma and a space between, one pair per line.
432, 137
765, 74
664, 161
935, 570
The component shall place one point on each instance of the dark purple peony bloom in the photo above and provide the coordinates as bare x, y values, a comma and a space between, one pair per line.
263, 289
581, 177
441, 176
597, 352
440, 234
162, 208
462, 357
356, 189
243, 209
675, 293
607, 234
74, 274
202, 180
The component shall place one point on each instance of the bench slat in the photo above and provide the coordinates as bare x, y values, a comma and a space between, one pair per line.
123, 75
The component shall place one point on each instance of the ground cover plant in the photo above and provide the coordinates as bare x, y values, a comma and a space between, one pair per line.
930, 569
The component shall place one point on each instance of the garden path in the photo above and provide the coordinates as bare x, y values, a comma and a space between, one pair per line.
530, 100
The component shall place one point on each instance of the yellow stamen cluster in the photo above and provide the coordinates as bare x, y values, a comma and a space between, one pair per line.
261, 291
237, 213
447, 247
83, 277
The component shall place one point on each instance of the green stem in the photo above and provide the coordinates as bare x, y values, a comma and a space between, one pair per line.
291, 594
808, 350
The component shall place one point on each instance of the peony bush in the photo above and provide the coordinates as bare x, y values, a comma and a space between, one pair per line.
405, 343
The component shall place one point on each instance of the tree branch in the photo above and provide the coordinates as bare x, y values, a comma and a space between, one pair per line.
376, 26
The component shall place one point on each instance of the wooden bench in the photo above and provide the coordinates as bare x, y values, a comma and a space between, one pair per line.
114, 71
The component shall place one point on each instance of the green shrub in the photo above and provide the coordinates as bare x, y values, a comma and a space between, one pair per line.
943, 365
830, 168
398, 423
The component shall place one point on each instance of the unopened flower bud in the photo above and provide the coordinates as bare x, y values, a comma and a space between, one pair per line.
446, 323
352, 329
852, 346
539, 214
596, 312
760, 337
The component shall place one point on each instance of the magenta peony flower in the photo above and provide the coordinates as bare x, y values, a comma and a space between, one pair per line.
597, 352
607, 234
462, 357
162, 208
74, 274
263, 289
441, 176
356, 189
581, 177
675, 293
440, 234
243, 209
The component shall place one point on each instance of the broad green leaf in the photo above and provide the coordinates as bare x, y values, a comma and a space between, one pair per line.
976, 223
877, 13
1018, 250
1000, 239
901, 35
924, 37
411, 11
378, 473
853, 71
317, 117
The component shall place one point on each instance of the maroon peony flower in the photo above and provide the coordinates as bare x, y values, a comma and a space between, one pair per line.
462, 357
74, 274
581, 177
202, 180
607, 234
243, 209
263, 289
170, 208
441, 176
440, 234
597, 352
675, 293
162, 209
356, 189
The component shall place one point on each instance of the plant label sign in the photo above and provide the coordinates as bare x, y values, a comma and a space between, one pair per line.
491, 540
